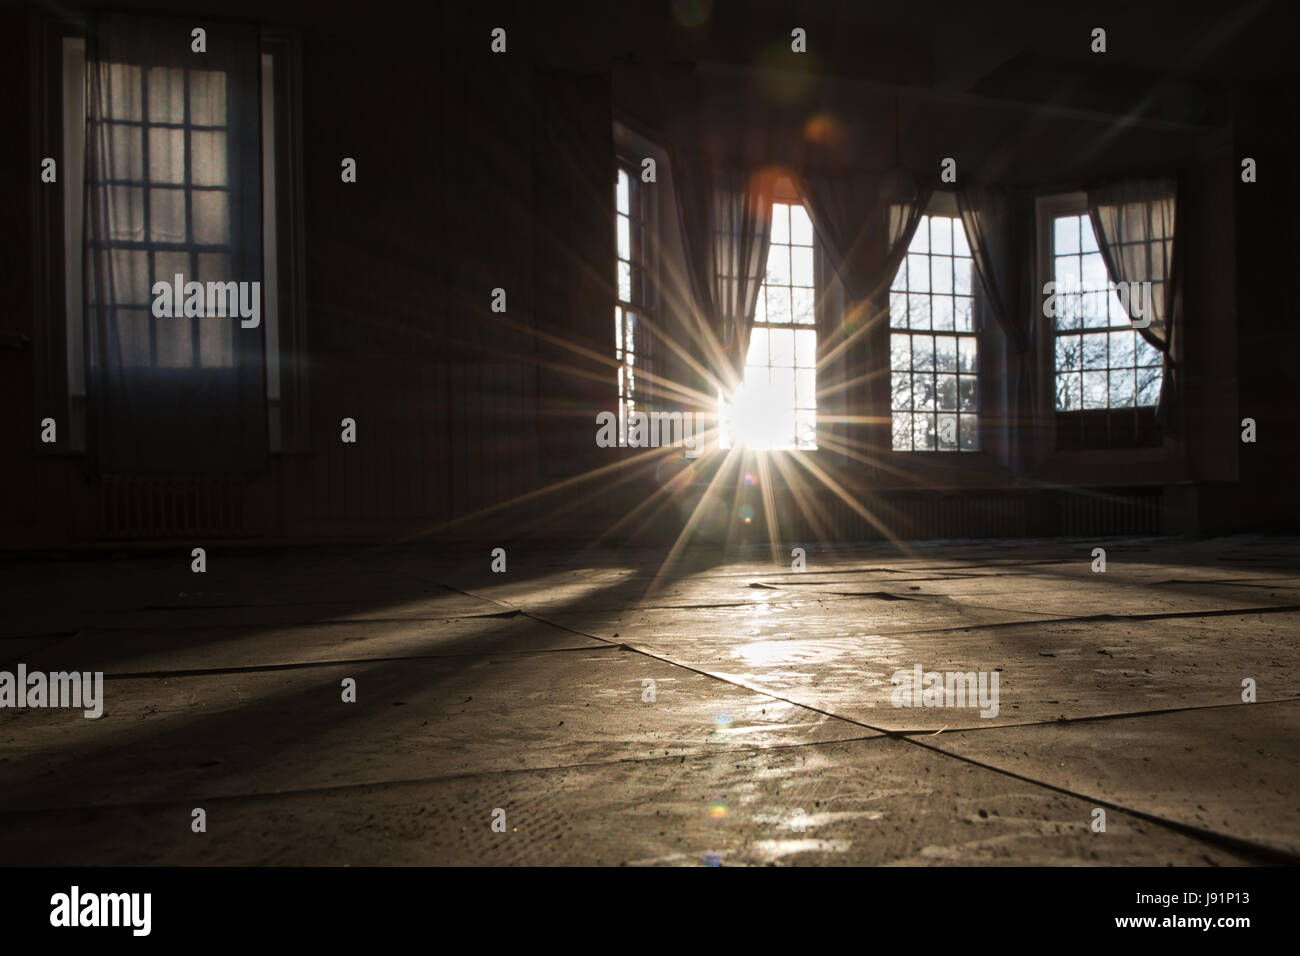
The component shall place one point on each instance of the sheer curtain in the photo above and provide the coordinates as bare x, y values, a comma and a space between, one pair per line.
865, 223
726, 216
1135, 225
173, 188
998, 230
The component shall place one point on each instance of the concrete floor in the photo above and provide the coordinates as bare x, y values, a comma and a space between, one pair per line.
526, 692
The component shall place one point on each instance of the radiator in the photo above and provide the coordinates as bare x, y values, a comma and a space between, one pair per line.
170, 508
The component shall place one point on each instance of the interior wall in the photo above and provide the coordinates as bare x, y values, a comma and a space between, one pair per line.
478, 171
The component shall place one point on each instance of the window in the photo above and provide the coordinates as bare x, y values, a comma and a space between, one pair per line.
177, 197
631, 341
776, 406
1101, 362
933, 348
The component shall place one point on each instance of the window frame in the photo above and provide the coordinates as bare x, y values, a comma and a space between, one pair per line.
785, 193
642, 256
288, 416
943, 204
1081, 430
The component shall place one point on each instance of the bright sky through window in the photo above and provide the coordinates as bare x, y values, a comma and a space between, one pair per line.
1101, 361
933, 350
776, 406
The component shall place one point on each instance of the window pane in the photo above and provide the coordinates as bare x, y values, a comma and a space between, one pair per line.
166, 155
961, 318
1094, 273
963, 272
900, 351
778, 304
918, 273
211, 209
1069, 353
947, 432
620, 192
782, 345
918, 307
166, 95
923, 432
902, 431
945, 353
1094, 350
1088, 237
921, 240
1122, 349
802, 303
780, 223
967, 356
900, 277
167, 221
1121, 388
900, 390
624, 238
946, 392
625, 281
208, 97
1147, 354
959, 246
1066, 235
801, 230
941, 274
805, 342
1069, 396
1148, 382
801, 266
898, 310
805, 380
1094, 388
922, 352
922, 392
941, 235
941, 312
778, 265
967, 397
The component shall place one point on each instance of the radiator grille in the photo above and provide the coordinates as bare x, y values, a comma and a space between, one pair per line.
169, 508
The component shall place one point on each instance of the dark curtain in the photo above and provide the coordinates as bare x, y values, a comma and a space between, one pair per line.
1135, 223
998, 226
865, 222
173, 187
726, 216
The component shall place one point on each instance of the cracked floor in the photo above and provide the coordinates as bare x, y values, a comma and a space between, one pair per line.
737, 712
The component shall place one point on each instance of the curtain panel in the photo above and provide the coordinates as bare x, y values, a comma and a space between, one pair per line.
175, 368
726, 216
999, 230
1135, 222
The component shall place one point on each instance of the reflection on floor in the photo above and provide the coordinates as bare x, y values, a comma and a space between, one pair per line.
738, 712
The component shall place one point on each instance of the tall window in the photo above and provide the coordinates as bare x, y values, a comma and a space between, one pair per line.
175, 189
1101, 361
777, 404
933, 350
630, 335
